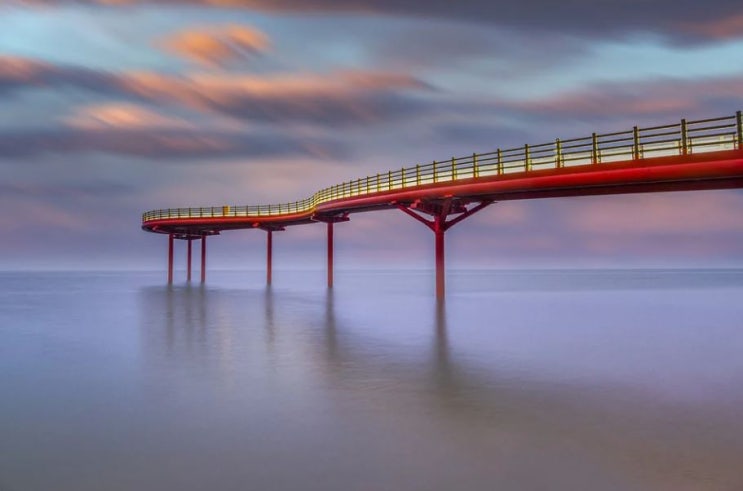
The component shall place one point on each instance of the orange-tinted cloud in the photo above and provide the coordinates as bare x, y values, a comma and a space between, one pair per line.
122, 116
333, 99
719, 29
583, 17
218, 45
133, 130
637, 99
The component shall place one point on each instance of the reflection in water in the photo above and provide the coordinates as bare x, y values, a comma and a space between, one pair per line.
291, 388
540, 431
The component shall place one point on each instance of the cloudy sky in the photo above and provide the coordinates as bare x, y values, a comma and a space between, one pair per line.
114, 107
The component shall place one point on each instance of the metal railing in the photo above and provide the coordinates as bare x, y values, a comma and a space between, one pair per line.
682, 138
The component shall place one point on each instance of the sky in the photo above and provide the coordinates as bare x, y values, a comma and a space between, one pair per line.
114, 107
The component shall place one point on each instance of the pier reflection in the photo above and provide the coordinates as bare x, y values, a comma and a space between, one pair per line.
315, 350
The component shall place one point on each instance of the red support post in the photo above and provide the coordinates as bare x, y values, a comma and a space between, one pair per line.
203, 258
330, 254
439, 231
439, 225
170, 259
269, 256
188, 260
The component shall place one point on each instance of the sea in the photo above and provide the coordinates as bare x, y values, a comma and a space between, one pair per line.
521, 380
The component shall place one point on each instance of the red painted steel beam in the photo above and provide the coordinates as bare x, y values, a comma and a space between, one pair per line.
269, 256
188, 261
170, 259
440, 266
330, 254
467, 214
203, 258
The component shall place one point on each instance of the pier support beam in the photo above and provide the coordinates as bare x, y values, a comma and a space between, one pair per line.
269, 256
203, 258
330, 220
439, 210
330, 254
170, 258
188, 260
269, 229
440, 268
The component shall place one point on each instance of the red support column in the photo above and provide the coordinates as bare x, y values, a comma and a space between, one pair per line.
203, 258
170, 259
188, 261
440, 269
269, 256
330, 254
439, 225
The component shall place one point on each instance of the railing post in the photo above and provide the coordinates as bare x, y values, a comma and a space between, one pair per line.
595, 159
558, 153
500, 162
379, 187
368, 185
684, 138
475, 170
434, 171
739, 121
402, 173
453, 169
526, 157
417, 174
389, 180
635, 143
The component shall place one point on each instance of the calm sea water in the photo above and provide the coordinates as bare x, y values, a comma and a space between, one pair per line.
524, 380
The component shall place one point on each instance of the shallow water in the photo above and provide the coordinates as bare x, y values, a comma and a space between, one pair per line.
611, 380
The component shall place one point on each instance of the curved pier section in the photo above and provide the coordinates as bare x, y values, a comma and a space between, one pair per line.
683, 156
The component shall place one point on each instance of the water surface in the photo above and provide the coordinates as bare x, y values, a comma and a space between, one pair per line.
524, 380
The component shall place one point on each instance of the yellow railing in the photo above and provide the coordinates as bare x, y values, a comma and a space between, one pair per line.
685, 137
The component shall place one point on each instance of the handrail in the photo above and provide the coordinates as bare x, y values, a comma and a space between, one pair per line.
706, 135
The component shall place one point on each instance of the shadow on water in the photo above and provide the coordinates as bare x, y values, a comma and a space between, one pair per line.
495, 414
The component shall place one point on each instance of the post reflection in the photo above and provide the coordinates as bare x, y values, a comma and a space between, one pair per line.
314, 351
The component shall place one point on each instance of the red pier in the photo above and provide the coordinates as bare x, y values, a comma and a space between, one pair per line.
682, 156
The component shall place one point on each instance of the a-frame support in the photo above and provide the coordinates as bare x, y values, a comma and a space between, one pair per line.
439, 210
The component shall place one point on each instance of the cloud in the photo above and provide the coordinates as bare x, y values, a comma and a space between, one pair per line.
640, 99
163, 143
352, 97
18, 73
122, 116
586, 17
716, 29
334, 99
216, 46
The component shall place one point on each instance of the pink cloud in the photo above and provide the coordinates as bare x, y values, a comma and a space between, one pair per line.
217, 45
122, 116
645, 215
330, 99
646, 98
334, 98
719, 29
